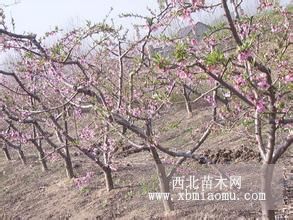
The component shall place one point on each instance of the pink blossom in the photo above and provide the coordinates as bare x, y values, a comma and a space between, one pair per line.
265, 4
2, 39
155, 27
275, 29
87, 134
244, 55
210, 100
263, 84
109, 146
151, 109
135, 112
186, 13
197, 3
137, 94
181, 74
212, 42
177, 2
24, 114
244, 30
24, 138
109, 101
17, 136
193, 42
83, 181
283, 64
78, 112
288, 78
260, 106
239, 80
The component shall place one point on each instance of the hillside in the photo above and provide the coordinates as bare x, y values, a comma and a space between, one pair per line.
28, 193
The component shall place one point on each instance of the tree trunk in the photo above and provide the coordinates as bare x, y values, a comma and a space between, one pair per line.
21, 156
38, 145
6, 153
108, 179
164, 182
68, 164
43, 161
215, 94
106, 168
42, 156
162, 176
266, 180
187, 102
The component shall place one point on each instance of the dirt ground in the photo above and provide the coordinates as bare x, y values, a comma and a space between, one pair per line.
28, 193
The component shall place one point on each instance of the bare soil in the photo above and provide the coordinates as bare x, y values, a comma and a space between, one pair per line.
28, 193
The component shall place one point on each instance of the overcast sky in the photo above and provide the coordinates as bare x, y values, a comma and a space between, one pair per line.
40, 16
